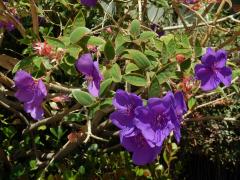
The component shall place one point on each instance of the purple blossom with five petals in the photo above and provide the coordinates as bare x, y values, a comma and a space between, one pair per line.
160, 117
89, 3
125, 104
90, 69
213, 70
31, 93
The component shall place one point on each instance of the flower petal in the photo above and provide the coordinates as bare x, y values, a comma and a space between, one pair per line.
145, 155
93, 87
209, 57
85, 64
180, 104
209, 80
121, 120
221, 57
89, 3
225, 75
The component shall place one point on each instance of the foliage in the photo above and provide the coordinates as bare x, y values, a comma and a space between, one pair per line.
143, 47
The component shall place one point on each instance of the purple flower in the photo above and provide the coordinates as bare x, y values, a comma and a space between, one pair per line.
213, 70
143, 153
89, 3
180, 109
160, 117
31, 93
91, 71
125, 105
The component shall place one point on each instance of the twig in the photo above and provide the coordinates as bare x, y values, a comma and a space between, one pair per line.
170, 28
140, 10
35, 22
19, 114
217, 118
53, 119
59, 88
207, 104
209, 31
179, 14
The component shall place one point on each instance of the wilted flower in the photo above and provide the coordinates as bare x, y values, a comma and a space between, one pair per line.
42, 48
213, 70
89, 3
31, 93
91, 71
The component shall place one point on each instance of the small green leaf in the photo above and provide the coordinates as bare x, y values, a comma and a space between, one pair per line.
198, 48
109, 50
54, 42
78, 34
191, 102
116, 73
135, 28
79, 20
139, 58
105, 86
147, 35
135, 79
166, 73
131, 67
82, 97
154, 90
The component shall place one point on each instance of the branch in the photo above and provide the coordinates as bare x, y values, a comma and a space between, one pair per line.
35, 22
170, 28
53, 119
207, 104
217, 118
209, 31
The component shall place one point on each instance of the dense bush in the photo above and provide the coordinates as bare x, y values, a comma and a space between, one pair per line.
100, 89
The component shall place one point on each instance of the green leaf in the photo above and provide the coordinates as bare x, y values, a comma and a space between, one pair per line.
105, 85
82, 97
139, 58
135, 28
166, 73
78, 34
131, 67
154, 89
116, 73
109, 50
147, 35
135, 79
74, 50
54, 42
191, 102
198, 48
97, 41
79, 20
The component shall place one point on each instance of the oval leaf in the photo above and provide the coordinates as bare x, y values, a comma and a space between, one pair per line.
82, 97
109, 51
135, 28
139, 58
116, 73
135, 79
78, 33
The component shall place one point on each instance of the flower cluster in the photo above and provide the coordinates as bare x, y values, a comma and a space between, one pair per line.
90, 69
31, 93
143, 129
213, 70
